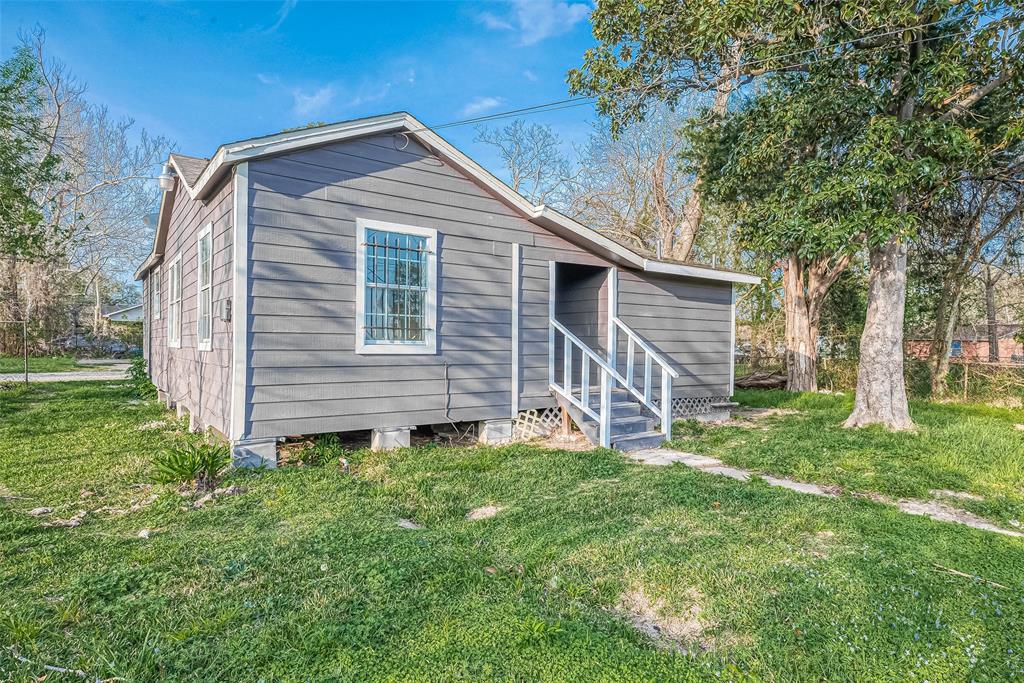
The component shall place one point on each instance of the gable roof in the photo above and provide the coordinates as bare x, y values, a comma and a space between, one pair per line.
199, 185
188, 168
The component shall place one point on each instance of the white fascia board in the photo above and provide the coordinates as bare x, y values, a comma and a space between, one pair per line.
684, 270
163, 217
555, 221
284, 142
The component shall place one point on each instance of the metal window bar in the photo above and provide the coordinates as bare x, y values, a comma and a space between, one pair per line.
397, 269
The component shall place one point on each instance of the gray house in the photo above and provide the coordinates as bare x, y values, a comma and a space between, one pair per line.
367, 275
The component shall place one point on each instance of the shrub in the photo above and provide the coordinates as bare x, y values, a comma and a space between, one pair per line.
138, 378
201, 462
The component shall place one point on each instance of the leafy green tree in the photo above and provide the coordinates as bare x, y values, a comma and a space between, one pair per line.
27, 159
905, 87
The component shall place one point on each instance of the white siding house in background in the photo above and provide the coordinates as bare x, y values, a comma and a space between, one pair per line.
127, 314
367, 275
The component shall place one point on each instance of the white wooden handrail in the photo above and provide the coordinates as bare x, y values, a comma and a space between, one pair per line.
609, 376
601, 362
639, 341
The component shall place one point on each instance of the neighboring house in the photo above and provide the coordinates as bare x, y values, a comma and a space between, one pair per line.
367, 275
971, 343
129, 314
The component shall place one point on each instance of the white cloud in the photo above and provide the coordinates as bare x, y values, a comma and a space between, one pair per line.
367, 94
536, 20
494, 22
282, 13
529, 75
479, 105
311, 103
268, 79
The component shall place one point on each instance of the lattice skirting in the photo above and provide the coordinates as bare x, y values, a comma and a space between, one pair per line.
691, 406
536, 423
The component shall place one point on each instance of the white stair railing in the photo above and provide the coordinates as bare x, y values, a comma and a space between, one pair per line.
565, 387
651, 357
573, 348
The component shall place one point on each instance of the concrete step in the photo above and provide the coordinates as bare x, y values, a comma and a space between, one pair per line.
625, 409
631, 425
633, 442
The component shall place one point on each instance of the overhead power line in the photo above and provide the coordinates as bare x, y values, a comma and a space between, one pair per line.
582, 100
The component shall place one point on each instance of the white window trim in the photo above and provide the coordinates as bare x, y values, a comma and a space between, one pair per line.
429, 344
158, 291
201, 344
174, 269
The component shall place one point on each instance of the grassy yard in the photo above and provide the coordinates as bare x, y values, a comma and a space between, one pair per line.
44, 364
972, 449
307, 575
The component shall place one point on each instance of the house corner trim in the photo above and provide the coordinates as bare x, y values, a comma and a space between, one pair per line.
240, 303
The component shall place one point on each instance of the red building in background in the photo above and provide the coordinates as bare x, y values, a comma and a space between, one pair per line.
971, 343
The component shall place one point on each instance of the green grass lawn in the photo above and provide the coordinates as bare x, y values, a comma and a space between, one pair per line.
965, 448
44, 364
307, 576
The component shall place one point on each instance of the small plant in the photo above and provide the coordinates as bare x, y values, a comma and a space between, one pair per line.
325, 448
138, 378
201, 462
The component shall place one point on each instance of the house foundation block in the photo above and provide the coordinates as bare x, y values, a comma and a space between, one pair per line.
162, 397
390, 438
179, 410
254, 453
495, 432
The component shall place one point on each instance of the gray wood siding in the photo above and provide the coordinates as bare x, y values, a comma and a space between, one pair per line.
685, 320
305, 376
198, 380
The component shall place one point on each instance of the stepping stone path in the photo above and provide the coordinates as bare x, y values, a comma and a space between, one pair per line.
935, 510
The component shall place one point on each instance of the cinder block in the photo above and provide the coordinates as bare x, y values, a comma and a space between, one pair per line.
254, 453
390, 438
495, 432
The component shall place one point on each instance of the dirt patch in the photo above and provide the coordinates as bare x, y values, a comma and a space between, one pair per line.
156, 424
1019, 427
409, 524
575, 441
39, 512
485, 512
820, 544
683, 632
70, 523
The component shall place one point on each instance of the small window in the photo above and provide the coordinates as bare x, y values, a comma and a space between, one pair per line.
204, 289
956, 349
154, 288
174, 304
396, 276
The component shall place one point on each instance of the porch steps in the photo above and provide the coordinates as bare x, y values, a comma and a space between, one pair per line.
632, 427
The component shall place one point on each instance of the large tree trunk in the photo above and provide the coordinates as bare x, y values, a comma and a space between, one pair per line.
805, 286
991, 315
881, 391
801, 331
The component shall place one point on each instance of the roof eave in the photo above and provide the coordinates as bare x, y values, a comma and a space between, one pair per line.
686, 270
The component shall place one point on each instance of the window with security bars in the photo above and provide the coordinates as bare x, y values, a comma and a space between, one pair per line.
397, 285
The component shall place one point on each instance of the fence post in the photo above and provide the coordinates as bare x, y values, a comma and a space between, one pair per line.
24, 345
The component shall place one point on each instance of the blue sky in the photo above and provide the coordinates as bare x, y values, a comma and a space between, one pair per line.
205, 73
